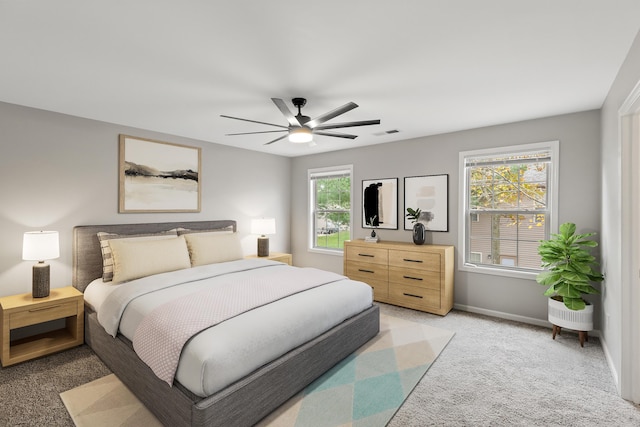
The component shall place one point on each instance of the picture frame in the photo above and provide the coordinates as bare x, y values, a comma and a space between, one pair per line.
157, 176
429, 193
380, 202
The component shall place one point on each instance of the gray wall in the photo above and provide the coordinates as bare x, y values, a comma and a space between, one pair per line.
612, 224
520, 299
58, 171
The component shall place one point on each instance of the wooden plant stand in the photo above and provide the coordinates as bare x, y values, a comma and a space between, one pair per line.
582, 335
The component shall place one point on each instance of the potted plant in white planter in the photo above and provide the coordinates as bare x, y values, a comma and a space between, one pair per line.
570, 272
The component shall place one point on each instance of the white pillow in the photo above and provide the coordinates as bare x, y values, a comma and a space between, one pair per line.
107, 257
211, 248
135, 259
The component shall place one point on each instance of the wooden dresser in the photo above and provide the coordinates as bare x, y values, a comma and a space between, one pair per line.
404, 274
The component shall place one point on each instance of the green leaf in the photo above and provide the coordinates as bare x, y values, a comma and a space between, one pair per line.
566, 290
572, 276
574, 303
567, 229
589, 243
548, 278
587, 289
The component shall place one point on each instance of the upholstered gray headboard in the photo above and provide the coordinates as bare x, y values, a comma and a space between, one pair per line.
87, 257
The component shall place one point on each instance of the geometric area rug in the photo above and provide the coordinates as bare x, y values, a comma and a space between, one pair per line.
365, 389
370, 385
106, 402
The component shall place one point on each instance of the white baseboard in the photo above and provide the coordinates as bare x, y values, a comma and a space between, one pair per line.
612, 366
514, 317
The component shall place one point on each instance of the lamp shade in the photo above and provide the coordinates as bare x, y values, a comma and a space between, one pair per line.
300, 135
40, 245
263, 226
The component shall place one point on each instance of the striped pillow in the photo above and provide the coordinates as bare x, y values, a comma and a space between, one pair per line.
107, 256
133, 259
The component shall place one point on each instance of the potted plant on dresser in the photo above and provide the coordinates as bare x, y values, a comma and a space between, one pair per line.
419, 219
570, 272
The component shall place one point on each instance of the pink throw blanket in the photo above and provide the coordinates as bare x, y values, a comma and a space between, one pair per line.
162, 334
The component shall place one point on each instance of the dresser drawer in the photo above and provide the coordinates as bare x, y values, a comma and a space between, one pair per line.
412, 277
368, 254
365, 272
43, 313
380, 289
417, 260
414, 297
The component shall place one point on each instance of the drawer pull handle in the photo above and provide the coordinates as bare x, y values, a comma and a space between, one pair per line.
412, 295
366, 271
412, 260
367, 255
49, 307
412, 278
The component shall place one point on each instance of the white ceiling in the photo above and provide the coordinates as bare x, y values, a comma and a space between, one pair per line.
422, 67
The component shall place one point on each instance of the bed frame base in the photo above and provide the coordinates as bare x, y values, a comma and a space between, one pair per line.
245, 402
241, 404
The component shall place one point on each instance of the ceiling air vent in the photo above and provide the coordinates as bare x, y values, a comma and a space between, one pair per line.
386, 132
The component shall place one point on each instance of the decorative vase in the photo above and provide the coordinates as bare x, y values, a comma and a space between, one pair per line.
419, 233
560, 315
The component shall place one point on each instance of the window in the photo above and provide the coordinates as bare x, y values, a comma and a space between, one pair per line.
475, 257
330, 208
507, 205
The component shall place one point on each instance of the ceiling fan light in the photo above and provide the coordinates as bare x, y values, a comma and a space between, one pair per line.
300, 135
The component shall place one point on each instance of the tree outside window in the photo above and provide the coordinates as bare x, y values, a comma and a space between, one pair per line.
508, 206
331, 209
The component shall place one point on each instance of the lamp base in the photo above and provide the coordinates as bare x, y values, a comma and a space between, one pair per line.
40, 287
263, 246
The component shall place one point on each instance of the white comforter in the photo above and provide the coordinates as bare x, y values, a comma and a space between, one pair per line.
236, 347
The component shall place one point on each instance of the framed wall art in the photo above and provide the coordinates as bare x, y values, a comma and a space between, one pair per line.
380, 203
430, 194
156, 176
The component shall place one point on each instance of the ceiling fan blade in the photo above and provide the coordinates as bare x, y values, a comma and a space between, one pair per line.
253, 133
337, 135
254, 121
277, 139
331, 114
286, 112
349, 124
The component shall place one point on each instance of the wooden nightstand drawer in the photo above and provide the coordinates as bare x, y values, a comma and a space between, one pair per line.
42, 313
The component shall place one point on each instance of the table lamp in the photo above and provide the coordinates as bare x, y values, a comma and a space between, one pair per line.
40, 246
263, 226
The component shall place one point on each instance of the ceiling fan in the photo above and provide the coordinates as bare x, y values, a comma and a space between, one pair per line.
302, 128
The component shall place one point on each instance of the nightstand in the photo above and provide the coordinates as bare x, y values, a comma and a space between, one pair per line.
276, 256
18, 311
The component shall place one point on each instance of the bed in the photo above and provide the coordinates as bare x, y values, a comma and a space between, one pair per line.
241, 401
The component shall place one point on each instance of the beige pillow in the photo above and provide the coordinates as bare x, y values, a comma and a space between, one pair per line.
211, 248
226, 230
107, 258
135, 259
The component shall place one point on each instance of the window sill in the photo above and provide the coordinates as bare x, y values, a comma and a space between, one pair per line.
470, 268
334, 252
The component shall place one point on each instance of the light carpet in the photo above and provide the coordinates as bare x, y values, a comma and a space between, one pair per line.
365, 389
